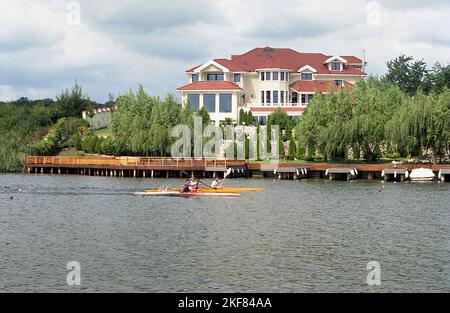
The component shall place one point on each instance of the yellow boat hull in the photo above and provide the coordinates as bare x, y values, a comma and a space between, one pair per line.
211, 190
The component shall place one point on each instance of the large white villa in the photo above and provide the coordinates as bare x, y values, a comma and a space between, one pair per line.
264, 79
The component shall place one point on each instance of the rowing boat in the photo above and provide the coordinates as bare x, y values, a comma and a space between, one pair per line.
171, 193
220, 190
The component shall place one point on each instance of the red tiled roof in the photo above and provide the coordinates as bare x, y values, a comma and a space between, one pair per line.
210, 85
352, 59
230, 65
284, 58
317, 85
193, 68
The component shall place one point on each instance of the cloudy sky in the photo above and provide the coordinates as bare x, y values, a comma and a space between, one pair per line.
112, 46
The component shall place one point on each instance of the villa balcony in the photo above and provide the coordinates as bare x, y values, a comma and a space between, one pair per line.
277, 105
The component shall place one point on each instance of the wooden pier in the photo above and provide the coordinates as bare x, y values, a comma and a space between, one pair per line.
395, 174
129, 166
178, 167
444, 174
360, 170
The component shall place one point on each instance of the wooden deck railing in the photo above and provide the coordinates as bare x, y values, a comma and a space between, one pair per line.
131, 161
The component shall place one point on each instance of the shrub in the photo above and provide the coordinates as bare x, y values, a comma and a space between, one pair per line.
88, 144
51, 143
292, 150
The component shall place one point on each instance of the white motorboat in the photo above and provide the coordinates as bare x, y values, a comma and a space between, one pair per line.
421, 174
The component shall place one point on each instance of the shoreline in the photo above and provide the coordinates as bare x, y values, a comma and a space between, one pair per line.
158, 167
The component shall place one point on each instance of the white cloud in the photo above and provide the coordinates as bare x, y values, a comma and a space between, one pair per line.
121, 44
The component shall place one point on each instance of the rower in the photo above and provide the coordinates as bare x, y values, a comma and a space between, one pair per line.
193, 183
186, 186
216, 183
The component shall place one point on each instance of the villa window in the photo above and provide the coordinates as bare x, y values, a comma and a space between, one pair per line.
275, 75
335, 66
194, 100
262, 76
281, 96
194, 77
262, 120
225, 103
338, 83
275, 96
214, 77
209, 102
306, 76
294, 97
268, 75
268, 96
306, 98
237, 78
282, 76
262, 97
287, 76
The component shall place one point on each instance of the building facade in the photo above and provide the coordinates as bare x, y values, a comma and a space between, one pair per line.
265, 79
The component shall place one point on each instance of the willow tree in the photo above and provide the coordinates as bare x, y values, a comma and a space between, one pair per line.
373, 106
141, 124
422, 125
324, 125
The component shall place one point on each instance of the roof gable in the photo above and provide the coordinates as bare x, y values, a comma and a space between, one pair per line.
307, 68
210, 64
335, 58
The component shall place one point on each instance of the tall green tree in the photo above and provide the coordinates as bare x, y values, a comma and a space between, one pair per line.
405, 72
71, 103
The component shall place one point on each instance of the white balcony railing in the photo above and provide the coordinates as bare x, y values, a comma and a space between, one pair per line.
278, 105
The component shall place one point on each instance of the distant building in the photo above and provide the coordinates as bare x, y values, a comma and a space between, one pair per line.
264, 79
98, 118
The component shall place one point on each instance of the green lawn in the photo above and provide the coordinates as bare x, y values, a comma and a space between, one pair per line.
104, 132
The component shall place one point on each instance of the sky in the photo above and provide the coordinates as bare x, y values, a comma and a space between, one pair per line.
110, 47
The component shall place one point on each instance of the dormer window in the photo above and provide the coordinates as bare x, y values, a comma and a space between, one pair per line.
214, 76
336, 66
194, 77
306, 76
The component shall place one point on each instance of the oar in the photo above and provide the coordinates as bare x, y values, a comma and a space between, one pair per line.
186, 173
228, 172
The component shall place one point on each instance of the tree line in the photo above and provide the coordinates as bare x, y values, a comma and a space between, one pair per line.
404, 113
375, 120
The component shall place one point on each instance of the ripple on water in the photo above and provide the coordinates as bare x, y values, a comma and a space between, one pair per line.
306, 236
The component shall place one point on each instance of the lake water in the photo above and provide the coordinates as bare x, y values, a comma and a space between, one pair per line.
296, 236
